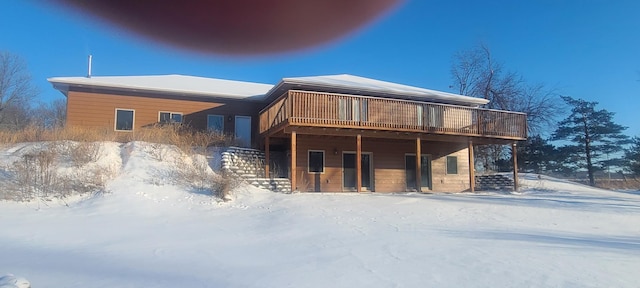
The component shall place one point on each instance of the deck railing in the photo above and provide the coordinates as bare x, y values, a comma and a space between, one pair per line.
302, 108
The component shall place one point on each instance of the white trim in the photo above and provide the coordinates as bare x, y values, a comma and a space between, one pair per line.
323, 161
170, 115
115, 119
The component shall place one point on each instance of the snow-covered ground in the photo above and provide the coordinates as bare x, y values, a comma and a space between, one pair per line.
147, 231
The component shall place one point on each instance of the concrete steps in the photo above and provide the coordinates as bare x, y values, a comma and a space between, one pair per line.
274, 184
248, 164
494, 182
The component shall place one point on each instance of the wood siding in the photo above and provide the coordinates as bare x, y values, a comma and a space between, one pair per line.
97, 109
388, 128
388, 163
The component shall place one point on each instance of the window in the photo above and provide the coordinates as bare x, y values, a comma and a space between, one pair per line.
170, 117
435, 116
124, 120
353, 109
344, 108
316, 161
356, 110
215, 123
364, 110
452, 165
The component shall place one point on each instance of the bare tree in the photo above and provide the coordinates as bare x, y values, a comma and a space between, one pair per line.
50, 115
466, 71
475, 73
16, 89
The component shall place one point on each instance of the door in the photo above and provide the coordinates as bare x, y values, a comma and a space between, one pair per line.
243, 131
410, 171
349, 174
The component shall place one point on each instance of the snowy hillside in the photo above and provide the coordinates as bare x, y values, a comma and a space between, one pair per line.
149, 230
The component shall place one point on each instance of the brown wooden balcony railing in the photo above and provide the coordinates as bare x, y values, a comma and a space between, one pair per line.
302, 108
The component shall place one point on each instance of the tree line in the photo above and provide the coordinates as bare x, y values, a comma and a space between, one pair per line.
588, 138
18, 107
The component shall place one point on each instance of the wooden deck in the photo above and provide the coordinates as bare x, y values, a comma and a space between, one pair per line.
340, 111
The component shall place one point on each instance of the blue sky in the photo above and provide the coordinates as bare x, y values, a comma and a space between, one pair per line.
584, 49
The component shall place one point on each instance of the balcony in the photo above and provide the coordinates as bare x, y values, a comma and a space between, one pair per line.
340, 111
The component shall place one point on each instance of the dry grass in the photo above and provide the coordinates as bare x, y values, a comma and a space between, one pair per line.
181, 136
195, 172
619, 184
38, 134
84, 153
303, 183
35, 175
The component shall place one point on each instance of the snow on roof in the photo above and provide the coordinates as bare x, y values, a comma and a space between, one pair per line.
179, 84
212, 87
351, 82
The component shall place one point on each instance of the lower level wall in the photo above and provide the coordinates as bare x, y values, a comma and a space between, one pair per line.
388, 163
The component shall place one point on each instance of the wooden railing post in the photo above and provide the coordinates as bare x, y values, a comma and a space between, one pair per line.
266, 157
294, 153
270, 121
514, 153
418, 165
358, 163
480, 122
290, 112
472, 168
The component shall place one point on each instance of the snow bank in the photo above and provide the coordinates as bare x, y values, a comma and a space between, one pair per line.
80, 170
151, 232
10, 281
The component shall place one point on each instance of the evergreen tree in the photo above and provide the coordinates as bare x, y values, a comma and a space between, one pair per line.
633, 157
564, 161
536, 155
593, 133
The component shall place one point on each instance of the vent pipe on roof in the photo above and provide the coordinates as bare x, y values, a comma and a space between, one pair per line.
89, 68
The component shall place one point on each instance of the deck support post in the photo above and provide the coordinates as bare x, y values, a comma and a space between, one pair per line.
514, 154
472, 169
293, 161
266, 157
359, 163
418, 165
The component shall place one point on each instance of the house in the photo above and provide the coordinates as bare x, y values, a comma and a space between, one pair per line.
326, 133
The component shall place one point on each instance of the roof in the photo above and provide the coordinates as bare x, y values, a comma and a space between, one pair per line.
175, 84
212, 87
369, 86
